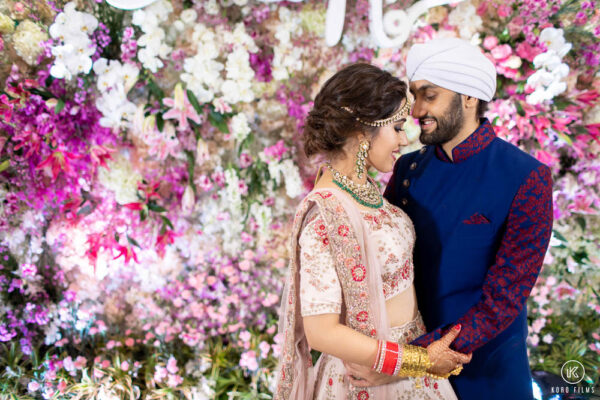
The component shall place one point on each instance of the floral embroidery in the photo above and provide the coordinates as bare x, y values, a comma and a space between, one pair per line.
359, 272
363, 395
362, 316
320, 228
472, 145
343, 230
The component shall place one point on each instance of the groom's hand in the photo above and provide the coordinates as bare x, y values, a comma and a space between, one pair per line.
361, 376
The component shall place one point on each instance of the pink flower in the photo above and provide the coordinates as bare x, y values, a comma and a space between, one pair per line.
174, 381
68, 364
501, 52
129, 342
582, 204
172, 365
270, 300
205, 183
565, 291
100, 154
275, 152
538, 324
59, 161
62, 386
160, 373
248, 360
243, 188
527, 51
181, 109
245, 160
490, 42
245, 265
125, 366
28, 270
127, 252
264, 349
80, 362
245, 336
33, 386
246, 237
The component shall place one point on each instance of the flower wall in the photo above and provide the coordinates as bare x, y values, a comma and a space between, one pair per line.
150, 163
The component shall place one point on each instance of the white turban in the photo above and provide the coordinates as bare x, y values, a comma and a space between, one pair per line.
453, 64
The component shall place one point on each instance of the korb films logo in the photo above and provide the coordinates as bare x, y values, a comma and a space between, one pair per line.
572, 372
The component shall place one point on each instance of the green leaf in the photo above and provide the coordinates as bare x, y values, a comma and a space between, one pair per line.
59, 106
160, 122
156, 208
133, 242
155, 90
559, 236
4, 165
218, 121
194, 101
520, 109
167, 222
566, 138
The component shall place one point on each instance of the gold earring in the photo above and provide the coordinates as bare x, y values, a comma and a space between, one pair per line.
361, 158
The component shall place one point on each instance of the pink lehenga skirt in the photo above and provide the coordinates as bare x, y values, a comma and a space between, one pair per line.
330, 375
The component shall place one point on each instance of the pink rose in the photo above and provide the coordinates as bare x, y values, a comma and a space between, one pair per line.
501, 52
490, 42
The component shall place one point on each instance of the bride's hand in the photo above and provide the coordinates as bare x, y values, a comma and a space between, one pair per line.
443, 358
361, 376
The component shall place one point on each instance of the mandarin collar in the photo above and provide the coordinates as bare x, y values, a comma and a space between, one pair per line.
477, 141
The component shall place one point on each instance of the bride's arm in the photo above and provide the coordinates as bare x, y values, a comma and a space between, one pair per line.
325, 334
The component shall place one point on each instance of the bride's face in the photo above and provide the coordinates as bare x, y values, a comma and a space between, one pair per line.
385, 146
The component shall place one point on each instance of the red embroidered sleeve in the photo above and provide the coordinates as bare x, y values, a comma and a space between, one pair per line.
510, 279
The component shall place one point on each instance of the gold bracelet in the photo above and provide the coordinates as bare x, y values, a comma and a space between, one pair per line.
415, 361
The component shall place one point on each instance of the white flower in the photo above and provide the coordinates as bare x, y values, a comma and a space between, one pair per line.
121, 179
26, 41
240, 127
211, 7
152, 44
555, 41
73, 53
465, 18
293, 181
189, 16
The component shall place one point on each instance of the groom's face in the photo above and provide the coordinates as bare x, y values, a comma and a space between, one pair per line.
439, 111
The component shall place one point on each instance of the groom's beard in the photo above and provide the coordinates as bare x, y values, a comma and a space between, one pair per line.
447, 127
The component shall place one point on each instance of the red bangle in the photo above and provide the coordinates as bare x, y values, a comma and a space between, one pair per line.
391, 358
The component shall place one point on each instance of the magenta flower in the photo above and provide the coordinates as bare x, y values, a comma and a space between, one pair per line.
181, 109
100, 154
58, 161
127, 252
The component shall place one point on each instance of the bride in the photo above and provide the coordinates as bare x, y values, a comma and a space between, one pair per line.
350, 293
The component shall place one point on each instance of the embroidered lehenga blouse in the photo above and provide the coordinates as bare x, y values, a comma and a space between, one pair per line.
321, 292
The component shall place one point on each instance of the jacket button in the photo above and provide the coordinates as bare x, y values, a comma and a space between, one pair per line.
413, 166
404, 201
406, 183
423, 150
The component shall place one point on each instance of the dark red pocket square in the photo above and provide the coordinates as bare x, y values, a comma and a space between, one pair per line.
476, 219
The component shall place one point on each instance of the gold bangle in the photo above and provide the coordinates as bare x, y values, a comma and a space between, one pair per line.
415, 361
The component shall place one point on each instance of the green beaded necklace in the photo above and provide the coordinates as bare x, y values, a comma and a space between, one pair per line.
368, 195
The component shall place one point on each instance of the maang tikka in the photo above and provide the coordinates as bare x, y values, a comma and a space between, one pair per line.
361, 158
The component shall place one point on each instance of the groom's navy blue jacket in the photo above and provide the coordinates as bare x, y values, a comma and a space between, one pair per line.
483, 222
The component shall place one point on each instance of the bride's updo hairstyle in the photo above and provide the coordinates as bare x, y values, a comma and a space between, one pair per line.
368, 91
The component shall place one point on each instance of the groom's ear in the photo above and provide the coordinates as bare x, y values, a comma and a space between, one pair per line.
470, 101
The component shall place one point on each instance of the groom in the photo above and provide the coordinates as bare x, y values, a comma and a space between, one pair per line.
482, 211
